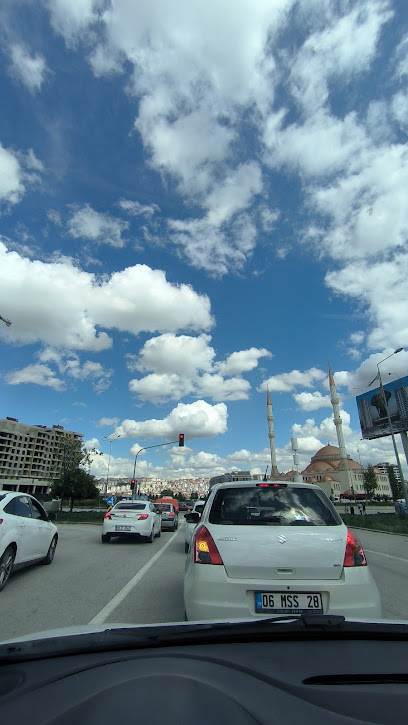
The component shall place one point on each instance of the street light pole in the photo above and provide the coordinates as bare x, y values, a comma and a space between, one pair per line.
109, 457
404, 487
145, 448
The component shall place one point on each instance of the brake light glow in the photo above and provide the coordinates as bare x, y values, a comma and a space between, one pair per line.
1, 521
142, 517
108, 516
354, 554
205, 550
171, 513
271, 485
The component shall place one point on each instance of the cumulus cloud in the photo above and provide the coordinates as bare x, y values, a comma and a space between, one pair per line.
135, 299
196, 420
31, 70
242, 361
17, 173
86, 223
184, 365
102, 422
37, 374
311, 401
286, 382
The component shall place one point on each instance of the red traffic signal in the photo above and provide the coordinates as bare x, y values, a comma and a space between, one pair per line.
181, 439
133, 481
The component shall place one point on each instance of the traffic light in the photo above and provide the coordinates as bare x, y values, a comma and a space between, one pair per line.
132, 484
181, 440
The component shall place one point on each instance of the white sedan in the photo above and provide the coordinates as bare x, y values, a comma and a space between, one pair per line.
27, 536
127, 518
275, 548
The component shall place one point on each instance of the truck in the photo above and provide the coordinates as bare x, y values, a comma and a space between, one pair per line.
169, 499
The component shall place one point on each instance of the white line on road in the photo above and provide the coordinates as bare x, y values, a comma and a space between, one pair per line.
120, 596
389, 556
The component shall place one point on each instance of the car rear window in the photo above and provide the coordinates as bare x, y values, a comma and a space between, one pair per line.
131, 506
163, 506
284, 506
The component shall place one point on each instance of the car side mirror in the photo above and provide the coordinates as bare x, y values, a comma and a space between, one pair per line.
192, 518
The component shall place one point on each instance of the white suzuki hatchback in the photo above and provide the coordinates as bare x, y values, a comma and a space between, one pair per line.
127, 518
275, 548
27, 536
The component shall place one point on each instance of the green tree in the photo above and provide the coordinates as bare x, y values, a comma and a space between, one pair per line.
194, 496
72, 456
395, 485
78, 485
180, 496
370, 481
167, 492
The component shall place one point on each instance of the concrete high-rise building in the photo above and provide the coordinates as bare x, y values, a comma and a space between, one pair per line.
30, 455
383, 467
401, 398
271, 434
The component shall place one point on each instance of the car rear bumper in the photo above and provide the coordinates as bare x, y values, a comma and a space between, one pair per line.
138, 528
169, 523
210, 594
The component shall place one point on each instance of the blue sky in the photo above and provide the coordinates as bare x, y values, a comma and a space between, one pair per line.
196, 204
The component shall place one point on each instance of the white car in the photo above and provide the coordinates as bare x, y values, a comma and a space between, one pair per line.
275, 548
127, 518
197, 508
27, 536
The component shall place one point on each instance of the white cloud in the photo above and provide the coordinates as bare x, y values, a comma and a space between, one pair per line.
195, 420
36, 374
86, 223
31, 70
135, 299
311, 401
102, 422
54, 217
217, 388
242, 361
325, 431
134, 208
357, 337
397, 365
80, 404
11, 177
332, 54
160, 388
91, 443
234, 193
181, 354
71, 18
269, 218
382, 286
286, 382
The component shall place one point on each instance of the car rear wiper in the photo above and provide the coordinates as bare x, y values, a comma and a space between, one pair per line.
307, 627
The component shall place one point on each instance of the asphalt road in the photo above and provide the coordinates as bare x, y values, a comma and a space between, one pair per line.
134, 582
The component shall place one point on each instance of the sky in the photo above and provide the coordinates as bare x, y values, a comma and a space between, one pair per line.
196, 204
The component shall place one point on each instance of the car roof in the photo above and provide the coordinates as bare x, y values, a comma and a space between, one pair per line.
251, 482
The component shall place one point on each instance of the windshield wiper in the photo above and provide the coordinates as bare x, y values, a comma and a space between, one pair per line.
307, 626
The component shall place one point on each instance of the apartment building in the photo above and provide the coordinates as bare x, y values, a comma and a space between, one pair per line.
30, 455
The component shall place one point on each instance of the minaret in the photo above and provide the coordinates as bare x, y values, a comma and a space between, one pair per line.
334, 398
271, 433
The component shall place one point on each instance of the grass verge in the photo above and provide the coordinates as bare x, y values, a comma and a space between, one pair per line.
390, 523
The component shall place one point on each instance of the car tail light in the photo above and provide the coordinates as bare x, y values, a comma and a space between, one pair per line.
354, 554
205, 550
142, 517
171, 513
108, 516
1, 521
271, 485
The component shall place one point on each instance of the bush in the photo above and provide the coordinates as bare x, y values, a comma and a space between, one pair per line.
80, 517
390, 523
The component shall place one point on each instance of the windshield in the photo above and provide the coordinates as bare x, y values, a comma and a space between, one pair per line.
203, 283
272, 507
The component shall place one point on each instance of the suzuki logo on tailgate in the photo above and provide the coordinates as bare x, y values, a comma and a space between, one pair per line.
282, 539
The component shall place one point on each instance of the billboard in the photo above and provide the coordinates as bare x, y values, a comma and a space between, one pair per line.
373, 414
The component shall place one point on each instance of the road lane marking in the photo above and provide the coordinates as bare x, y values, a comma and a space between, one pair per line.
389, 556
120, 596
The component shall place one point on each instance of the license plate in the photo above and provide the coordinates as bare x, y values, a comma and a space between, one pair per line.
123, 528
284, 603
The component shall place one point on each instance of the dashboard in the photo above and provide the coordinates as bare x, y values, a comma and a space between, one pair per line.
319, 682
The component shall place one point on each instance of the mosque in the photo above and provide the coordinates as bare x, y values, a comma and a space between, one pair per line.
331, 467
